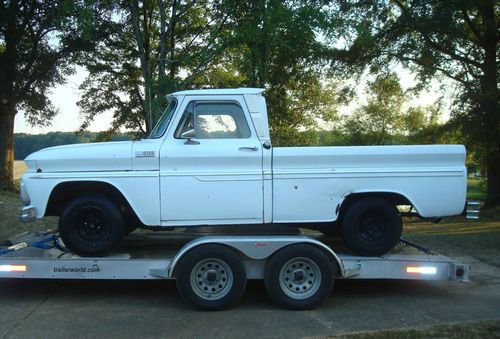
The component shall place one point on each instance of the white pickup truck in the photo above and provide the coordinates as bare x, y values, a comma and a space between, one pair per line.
209, 161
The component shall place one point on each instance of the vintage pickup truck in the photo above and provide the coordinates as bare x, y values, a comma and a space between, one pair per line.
209, 161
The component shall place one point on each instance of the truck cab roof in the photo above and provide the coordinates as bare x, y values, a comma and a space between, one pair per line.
220, 91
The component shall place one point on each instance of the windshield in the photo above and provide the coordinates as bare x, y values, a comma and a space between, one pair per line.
162, 124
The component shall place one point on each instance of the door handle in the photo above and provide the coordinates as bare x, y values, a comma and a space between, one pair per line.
254, 148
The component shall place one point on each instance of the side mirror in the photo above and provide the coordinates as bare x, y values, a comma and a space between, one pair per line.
189, 134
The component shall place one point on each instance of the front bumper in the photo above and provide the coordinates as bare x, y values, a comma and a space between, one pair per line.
27, 213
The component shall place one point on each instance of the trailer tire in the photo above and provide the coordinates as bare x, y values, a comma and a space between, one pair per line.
211, 277
299, 277
91, 225
371, 227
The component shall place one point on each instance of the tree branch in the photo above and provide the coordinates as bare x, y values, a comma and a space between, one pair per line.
473, 28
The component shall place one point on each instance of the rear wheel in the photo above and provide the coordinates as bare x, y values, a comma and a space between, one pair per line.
371, 227
299, 277
91, 225
211, 277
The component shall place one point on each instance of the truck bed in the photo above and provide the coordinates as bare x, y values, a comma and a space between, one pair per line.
432, 178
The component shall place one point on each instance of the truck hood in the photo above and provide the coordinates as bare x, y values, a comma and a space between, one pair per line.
103, 156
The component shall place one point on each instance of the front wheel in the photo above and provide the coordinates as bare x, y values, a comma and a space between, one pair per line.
91, 225
299, 277
211, 277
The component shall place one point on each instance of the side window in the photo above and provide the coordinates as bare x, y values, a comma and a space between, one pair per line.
218, 120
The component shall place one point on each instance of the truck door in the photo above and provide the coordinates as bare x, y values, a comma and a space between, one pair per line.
211, 165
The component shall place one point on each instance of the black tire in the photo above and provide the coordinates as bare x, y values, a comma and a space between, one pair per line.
371, 227
91, 225
331, 229
211, 277
130, 229
299, 277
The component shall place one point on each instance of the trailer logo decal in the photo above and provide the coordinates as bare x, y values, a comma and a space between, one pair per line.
82, 269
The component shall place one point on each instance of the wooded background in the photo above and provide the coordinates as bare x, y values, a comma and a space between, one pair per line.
312, 57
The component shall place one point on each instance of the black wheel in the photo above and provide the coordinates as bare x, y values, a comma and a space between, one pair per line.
91, 225
211, 277
371, 227
299, 277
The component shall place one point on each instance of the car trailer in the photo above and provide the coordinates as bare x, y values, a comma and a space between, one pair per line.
211, 271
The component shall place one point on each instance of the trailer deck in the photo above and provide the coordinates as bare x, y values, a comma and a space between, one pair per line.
149, 256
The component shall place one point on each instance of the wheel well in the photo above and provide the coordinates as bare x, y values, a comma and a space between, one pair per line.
394, 198
64, 192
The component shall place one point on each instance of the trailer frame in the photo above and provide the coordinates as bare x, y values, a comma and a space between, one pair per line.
32, 258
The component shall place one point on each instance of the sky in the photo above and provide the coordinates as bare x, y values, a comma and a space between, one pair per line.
65, 97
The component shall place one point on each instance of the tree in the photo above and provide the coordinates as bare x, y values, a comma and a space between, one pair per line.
386, 117
155, 47
39, 40
457, 39
275, 46
375, 122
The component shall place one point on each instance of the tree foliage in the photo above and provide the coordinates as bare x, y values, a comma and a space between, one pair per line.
171, 45
39, 44
382, 115
457, 39
155, 47
277, 48
387, 118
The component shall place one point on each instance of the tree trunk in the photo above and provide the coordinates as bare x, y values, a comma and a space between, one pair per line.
7, 114
493, 175
489, 103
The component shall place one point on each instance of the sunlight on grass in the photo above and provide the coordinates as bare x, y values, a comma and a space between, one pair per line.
19, 169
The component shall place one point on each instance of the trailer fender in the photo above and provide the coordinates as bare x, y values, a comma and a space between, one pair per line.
254, 247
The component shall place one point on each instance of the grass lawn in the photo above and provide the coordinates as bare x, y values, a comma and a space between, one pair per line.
10, 225
19, 169
476, 189
476, 329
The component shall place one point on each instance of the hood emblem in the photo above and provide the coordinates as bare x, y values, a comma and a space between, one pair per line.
145, 154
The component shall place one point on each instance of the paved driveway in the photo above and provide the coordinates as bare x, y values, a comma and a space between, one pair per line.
75, 309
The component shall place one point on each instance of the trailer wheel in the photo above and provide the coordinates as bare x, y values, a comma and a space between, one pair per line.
91, 225
371, 227
299, 277
211, 277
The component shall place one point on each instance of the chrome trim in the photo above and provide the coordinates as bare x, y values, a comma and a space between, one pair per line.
472, 209
27, 213
23, 194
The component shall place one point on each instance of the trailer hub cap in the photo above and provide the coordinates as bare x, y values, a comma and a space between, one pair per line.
300, 278
211, 279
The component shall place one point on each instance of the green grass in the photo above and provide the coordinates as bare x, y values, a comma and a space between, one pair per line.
459, 237
476, 329
476, 189
10, 225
